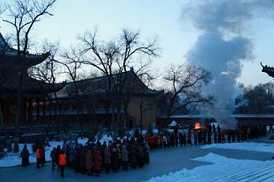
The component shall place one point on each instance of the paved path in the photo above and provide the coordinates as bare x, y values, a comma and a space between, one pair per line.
162, 162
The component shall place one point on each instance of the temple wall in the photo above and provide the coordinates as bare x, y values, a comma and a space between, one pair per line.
143, 110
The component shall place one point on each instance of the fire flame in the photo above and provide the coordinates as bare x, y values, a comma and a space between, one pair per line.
197, 125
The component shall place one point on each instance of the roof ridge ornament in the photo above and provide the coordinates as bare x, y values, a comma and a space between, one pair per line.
268, 70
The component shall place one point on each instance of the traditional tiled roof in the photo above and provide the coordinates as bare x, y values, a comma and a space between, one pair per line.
12, 62
99, 85
10, 56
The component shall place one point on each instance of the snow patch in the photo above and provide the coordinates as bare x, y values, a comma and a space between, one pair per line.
257, 147
222, 169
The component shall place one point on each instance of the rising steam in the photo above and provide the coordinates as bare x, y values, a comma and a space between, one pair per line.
221, 48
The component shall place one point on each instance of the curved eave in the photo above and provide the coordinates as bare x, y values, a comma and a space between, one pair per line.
40, 87
32, 60
32, 88
22, 61
50, 88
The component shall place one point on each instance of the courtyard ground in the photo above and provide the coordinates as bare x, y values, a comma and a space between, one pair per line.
174, 164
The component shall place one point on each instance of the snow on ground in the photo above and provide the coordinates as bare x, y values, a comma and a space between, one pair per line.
221, 169
14, 159
257, 147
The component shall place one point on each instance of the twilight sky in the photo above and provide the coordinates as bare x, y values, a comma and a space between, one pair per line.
161, 19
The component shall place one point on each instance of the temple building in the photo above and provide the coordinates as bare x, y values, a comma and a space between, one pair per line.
91, 103
14, 78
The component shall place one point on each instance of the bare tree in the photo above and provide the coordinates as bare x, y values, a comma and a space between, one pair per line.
23, 16
131, 46
100, 56
118, 56
186, 84
257, 99
48, 70
73, 69
72, 63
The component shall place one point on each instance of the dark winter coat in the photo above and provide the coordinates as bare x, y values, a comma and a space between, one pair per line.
107, 155
124, 153
89, 160
83, 160
115, 159
25, 156
98, 161
133, 156
140, 155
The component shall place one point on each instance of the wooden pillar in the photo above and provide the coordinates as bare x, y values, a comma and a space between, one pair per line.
27, 110
60, 111
51, 108
37, 109
44, 110
30, 110
55, 111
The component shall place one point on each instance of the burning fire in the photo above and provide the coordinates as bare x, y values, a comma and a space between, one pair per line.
197, 125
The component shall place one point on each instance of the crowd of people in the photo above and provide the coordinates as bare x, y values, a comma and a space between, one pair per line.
93, 158
207, 135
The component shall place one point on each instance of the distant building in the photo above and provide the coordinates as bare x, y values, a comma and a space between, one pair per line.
242, 120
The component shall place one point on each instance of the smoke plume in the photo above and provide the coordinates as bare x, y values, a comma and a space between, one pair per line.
221, 49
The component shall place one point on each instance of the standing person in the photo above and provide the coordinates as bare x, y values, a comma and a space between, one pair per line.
119, 154
146, 152
219, 134
140, 154
114, 159
132, 155
184, 138
165, 141
57, 153
39, 157
209, 134
177, 138
25, 156
189, 137
181, 139
43, 159
214, 133
62, 162
53, 158
124, 152
97, 161
83, 160
195, 138
173, 139
107, 158
77, 156
89, 161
